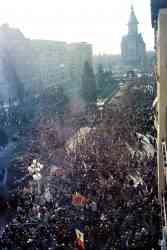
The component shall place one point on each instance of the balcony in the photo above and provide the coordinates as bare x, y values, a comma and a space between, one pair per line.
155, 111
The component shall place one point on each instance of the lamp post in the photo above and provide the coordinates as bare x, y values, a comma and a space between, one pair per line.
100, 107
35, 170
47, 194
62, 73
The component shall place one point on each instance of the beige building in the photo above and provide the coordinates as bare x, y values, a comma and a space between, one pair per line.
60, 62
159, 22
39, 63
51, 58
16, 61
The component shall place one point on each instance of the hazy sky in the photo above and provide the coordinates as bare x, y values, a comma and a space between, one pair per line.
100, 22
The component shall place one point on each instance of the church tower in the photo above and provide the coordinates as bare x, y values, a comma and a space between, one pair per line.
133, 23
133, 46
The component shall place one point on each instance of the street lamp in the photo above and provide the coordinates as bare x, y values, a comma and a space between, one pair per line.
100, 107
35, 170
47, 194
62, 72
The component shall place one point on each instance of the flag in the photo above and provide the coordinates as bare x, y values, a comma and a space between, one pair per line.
80, 238
59, 172
79, 200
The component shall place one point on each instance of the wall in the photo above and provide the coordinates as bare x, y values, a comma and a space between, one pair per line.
162, 89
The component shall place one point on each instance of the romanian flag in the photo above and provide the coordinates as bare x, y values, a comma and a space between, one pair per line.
79, 200
59, 172
80, 238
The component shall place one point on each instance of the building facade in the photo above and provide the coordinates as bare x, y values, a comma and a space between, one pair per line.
16, 62
133, 47
38, 64
78, 54
60, 62
159, 22
51, 58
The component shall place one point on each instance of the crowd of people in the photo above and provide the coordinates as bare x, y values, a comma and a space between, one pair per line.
115, 176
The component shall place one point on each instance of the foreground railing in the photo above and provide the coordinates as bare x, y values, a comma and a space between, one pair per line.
164, 223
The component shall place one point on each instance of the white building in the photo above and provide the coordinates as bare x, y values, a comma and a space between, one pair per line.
133, 46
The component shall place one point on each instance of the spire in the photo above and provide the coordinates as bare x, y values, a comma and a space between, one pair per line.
132, 9
133, 18
133, 22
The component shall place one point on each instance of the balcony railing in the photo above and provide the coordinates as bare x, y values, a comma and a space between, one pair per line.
164, 153
164, 197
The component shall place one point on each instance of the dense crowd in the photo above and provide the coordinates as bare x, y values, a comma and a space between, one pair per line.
114, 172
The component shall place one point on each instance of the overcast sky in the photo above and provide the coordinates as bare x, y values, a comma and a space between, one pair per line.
100, 22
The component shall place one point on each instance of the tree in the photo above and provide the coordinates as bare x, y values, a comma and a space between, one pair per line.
105, 82
62, 101
16, 85
88, 88
100, 77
